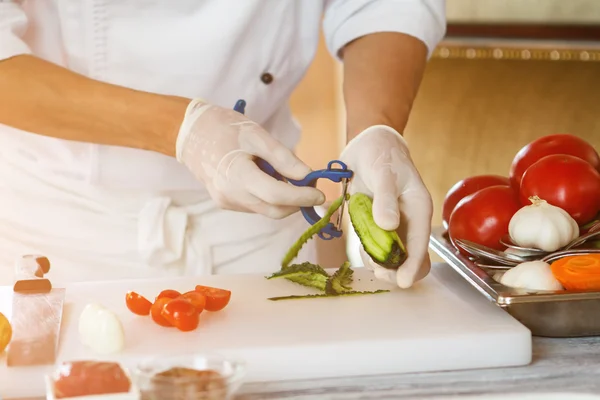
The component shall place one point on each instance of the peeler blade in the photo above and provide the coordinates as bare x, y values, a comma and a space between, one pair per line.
341, 210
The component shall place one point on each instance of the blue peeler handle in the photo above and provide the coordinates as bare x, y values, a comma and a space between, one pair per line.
333, 174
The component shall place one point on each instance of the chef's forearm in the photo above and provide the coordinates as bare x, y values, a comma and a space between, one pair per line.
43, 98
382, 73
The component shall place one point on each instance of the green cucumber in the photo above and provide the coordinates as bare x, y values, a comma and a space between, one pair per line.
384, 247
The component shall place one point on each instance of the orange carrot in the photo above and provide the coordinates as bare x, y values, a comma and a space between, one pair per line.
578, 272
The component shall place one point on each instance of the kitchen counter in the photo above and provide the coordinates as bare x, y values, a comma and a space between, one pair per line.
562, 365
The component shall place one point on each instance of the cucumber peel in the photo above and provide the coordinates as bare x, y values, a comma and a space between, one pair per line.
311, 231
305, 274
314, 276
340, 281
385, 247
321, 295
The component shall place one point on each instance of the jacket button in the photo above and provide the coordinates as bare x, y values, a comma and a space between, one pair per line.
266, 78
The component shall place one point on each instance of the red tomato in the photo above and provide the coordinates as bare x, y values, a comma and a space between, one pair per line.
466, 187
564, 181
196, 298
137, 304
549, 145
483, 216
156, 311
216, 299
182, 314
169, 293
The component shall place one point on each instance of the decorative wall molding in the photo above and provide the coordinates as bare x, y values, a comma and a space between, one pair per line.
508, 52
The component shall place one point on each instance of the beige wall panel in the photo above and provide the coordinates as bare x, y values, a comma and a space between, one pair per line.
544, 11
316, 106
472, 116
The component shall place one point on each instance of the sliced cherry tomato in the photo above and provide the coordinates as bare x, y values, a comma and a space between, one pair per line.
182, 314
465, 187
156, 311
137, 304
564, 181
168, 293
196, 298
548, 145
216, 299
483, 216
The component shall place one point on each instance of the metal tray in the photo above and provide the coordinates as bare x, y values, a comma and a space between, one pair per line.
548, 314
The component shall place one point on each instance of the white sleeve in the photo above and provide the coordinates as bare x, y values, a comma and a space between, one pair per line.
13, 24
346, 20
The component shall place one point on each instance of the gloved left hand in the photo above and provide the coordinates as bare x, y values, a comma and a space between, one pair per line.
384, 170
220, 146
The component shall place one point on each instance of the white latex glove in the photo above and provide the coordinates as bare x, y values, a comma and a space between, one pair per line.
384, 170
219, 146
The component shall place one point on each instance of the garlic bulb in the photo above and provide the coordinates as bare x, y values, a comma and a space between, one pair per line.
88, 314
543, 226
101, 330
531, 275
498, 276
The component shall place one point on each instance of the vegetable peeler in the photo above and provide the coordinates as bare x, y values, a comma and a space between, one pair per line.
336, 171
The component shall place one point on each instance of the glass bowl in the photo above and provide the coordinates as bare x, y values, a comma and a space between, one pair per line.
189, 377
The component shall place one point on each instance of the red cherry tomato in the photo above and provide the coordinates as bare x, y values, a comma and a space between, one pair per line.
196, 298
216, 299
137, 304
156, 311
549, 145
182, 314
168, 293
483, 216
564, 181
468, 186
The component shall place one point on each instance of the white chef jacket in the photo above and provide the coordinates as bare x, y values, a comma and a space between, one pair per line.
220, 50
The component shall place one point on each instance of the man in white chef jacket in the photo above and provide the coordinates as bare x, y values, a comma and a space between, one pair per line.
121, 155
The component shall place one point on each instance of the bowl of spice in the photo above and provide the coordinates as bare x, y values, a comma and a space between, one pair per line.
189, 377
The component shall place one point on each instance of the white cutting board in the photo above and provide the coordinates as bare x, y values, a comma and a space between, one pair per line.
440, 324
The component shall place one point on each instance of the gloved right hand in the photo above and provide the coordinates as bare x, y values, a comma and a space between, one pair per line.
219, 146
383, 169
